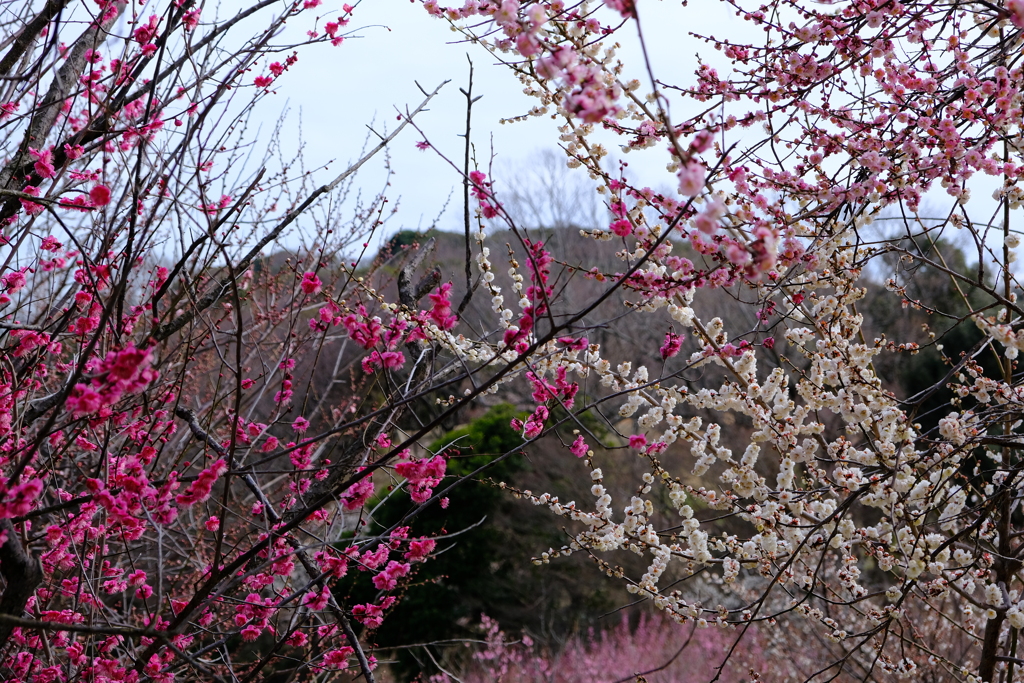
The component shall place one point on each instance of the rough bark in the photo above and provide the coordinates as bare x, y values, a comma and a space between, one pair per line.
22, 574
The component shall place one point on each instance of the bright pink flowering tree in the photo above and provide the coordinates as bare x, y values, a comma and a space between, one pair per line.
187, 443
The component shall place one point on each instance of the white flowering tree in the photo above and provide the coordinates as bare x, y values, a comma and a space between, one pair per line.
897, 534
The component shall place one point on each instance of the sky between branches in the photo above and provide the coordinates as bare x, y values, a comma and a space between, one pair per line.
333, 93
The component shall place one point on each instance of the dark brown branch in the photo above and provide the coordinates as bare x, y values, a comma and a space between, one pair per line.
406, 294
6, 620
470, 100
364, 664
29, 33
23, 574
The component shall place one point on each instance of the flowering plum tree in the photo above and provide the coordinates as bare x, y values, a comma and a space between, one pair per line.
180, 460
898, 540
190, 432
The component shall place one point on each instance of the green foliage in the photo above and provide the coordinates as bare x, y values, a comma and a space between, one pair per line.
477, 443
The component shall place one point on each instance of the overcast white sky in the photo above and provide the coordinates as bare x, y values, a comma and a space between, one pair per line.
340, 90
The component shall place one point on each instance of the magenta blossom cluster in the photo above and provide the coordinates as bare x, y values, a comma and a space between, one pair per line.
422, 475
122, 372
